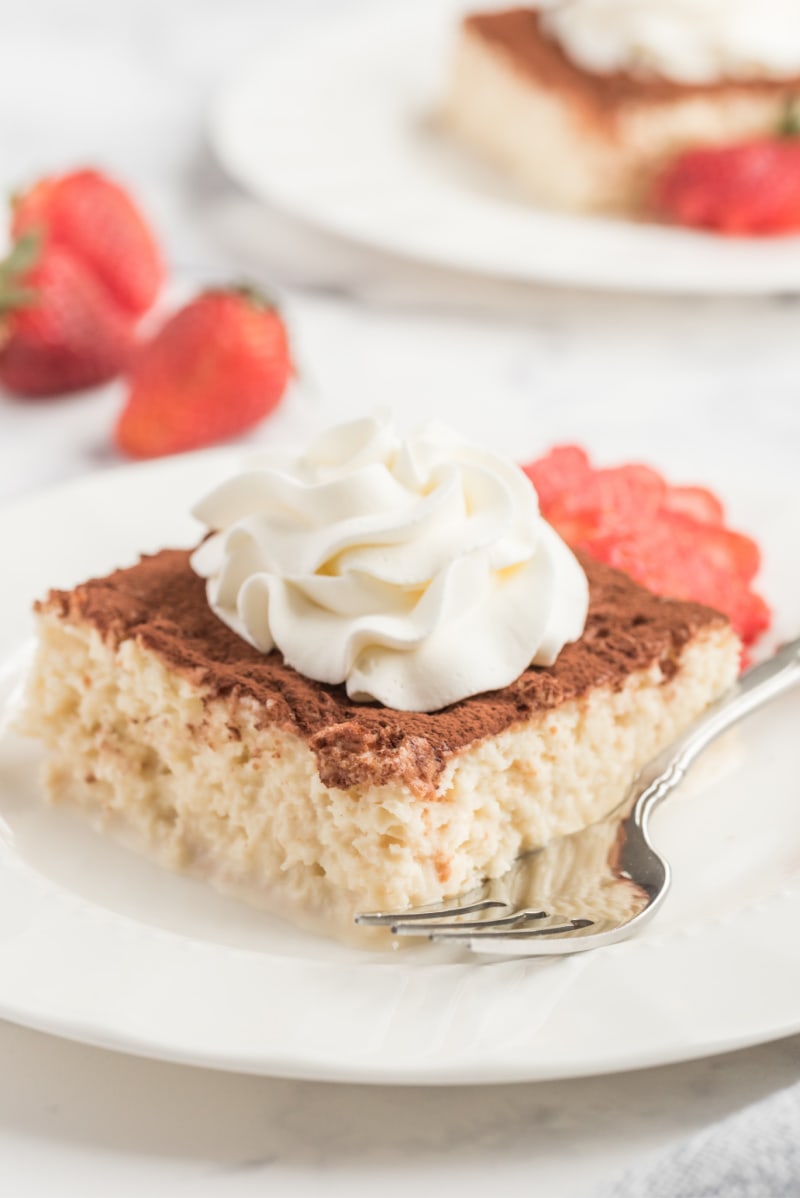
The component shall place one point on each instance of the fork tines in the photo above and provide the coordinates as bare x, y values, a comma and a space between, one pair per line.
493, 930
381, 919
417, 927
448, 922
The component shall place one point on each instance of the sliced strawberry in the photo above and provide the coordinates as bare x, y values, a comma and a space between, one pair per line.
670, 539
564, 469
723, 550
697, 502
624, 494
677, 557
677, 546
748, 613
578, 529
607, 502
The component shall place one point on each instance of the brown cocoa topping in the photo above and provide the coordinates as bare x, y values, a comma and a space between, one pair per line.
161, 603
519, 33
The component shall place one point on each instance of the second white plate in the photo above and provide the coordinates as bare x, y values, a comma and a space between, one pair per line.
339, 128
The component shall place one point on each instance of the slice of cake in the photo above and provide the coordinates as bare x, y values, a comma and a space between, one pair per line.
224, 761
584, 102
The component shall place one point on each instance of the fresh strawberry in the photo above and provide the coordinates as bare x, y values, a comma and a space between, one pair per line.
96, 220
58, 329
215, 369
751, 188
670, 539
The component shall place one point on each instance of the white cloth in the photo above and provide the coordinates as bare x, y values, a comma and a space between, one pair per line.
752, 1154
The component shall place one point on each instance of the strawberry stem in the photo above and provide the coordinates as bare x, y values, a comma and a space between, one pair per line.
24, 254
22, 258
790, 119
254, 296
16, 297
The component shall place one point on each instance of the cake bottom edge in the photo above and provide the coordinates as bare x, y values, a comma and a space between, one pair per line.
197, 784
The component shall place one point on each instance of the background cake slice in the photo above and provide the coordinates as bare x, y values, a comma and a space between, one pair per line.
577, 139
222, 761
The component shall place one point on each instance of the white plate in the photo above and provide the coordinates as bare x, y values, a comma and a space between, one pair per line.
339, 129
99, 945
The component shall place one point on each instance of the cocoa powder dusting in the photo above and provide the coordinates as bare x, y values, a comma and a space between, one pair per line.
161, 603
519, 34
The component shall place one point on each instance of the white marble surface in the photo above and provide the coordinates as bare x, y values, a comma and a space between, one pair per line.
80, 1122
126, 85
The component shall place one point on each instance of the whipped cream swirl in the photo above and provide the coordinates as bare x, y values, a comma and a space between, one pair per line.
689, 41
417, 571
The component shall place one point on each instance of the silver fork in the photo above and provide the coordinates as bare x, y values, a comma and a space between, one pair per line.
608, 875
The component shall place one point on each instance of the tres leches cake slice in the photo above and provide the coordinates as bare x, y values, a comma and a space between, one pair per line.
583, 102
180, 721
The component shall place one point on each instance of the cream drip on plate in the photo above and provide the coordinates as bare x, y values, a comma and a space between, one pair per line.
688, 41
415, 570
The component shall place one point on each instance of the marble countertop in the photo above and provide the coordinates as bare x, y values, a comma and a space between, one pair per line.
127, 86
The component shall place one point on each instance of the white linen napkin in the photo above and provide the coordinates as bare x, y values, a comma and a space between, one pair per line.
754, 1153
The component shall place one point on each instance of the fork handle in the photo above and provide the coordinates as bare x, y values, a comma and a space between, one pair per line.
755, 688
